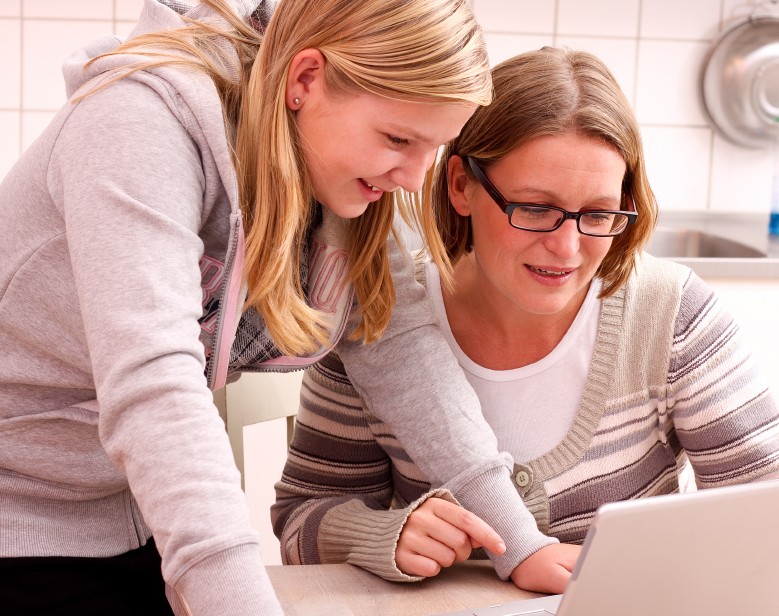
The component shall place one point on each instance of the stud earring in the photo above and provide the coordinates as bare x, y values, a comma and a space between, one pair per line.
296, 100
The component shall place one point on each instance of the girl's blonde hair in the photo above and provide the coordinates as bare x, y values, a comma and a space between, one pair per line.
550, 91
410, 50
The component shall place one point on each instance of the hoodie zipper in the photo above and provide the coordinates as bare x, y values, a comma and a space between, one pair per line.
216, 371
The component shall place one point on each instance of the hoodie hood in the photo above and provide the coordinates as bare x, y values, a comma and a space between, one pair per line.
193, 99
156, 15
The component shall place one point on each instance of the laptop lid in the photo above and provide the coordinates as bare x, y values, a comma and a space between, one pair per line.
710, 553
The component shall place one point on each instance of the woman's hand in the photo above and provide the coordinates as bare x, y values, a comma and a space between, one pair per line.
438, 534
547, 570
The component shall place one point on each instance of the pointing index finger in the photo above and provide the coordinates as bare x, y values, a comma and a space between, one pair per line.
480, 533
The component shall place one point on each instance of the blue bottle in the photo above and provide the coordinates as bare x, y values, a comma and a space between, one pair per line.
773, 222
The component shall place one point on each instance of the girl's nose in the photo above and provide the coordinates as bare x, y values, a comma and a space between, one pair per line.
410, 174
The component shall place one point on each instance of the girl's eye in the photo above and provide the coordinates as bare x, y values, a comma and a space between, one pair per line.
397, 141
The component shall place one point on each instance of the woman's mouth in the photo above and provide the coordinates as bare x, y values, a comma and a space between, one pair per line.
551, 273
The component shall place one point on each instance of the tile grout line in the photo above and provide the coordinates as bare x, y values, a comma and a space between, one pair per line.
712, 136
636, 58
20, 131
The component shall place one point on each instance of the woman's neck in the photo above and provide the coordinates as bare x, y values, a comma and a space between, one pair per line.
492, 332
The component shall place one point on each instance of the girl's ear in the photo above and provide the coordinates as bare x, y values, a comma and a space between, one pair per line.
305, 77
460, 186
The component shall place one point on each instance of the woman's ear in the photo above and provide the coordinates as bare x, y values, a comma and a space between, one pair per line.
305, 77
460, 186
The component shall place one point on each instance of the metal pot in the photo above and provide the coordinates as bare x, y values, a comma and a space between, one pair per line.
740, 83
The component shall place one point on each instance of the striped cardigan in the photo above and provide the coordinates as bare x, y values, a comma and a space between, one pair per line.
670, 380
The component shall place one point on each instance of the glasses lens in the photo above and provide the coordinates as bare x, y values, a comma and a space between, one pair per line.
535, 217
603, 223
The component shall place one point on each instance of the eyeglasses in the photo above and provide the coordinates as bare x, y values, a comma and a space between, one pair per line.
545, 218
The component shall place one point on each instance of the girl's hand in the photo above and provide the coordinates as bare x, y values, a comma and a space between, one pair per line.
438, 534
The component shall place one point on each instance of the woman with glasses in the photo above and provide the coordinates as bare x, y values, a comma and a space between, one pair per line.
601, 369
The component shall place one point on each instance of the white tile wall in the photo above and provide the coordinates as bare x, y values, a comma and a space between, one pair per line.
751, 167
128, 10
502, 46
46, 44
516, 16
9, 144
10, 8
678, 164
667, 78
688, 19
10, 67
598, 17
72, 9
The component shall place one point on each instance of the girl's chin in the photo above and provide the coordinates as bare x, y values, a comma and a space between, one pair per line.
350, 210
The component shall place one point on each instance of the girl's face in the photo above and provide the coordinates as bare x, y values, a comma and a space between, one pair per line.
359, 146
540, 273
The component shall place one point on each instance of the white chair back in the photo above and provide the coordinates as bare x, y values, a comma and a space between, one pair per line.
255, 398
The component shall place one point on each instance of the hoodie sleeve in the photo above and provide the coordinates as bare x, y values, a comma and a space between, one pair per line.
129, 182
411, 380
333, 503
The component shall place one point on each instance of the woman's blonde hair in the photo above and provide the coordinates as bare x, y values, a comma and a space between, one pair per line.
550, 91
410, 50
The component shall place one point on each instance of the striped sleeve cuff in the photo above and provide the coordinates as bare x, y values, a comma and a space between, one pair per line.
367, 538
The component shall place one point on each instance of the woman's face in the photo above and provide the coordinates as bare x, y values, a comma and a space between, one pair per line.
357, 147
540, 273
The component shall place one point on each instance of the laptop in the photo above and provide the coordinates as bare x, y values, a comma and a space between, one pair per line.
712, 552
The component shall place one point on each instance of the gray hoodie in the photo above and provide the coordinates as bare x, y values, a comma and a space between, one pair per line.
120, 221
120, 295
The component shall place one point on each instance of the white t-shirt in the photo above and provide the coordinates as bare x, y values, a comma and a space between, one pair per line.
530, 409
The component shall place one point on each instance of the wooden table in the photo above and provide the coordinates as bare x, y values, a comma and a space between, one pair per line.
345, 590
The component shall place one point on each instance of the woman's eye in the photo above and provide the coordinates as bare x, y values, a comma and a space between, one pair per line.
397, 141
601, 216
531, 211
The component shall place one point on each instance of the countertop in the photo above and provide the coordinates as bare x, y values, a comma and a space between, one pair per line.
750, 229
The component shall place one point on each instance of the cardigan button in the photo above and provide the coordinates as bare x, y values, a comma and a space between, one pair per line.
522, 478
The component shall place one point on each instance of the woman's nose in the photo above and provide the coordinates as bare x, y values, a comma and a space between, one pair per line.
564, 241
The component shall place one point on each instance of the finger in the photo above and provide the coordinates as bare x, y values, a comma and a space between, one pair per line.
425, 522
415, 564
480, 533
452, 537
431, 519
